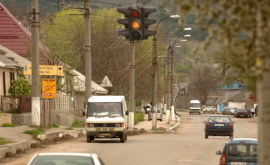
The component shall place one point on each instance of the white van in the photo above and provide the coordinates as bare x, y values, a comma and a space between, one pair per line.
195, 107
106, 117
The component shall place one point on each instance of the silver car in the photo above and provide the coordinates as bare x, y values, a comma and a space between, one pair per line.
230, 110
159, 114
65, 158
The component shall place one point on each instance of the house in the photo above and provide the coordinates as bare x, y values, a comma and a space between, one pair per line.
237, 100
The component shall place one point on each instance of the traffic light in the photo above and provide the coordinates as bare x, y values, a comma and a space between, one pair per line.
146, 11
133, 23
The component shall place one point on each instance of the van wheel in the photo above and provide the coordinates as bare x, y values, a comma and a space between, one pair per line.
123, 137
190, 113
199, 113
206, 136
160, 120
89, 139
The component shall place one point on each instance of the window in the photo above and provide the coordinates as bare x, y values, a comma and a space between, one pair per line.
243, 150
105, 109
4, 83
220, 119
12, 78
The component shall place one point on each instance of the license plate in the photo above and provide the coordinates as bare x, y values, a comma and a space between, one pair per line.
105, 134
219, 124
238, 163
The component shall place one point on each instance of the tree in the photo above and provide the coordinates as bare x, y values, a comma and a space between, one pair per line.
20, 87
251, 17
205, 78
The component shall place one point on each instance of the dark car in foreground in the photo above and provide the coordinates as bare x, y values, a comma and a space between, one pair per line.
218, 125
66, 158
239, 151
242, 113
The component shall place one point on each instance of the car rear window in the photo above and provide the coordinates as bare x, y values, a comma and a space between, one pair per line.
242, 110
158, 111
249, 150
61, 160
220, 119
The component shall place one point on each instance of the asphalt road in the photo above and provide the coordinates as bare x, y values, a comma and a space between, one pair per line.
186, 147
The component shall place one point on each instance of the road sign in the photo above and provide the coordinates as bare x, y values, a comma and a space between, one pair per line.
49, 88
50, 70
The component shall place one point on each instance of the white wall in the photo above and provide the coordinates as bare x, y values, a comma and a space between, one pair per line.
238, 105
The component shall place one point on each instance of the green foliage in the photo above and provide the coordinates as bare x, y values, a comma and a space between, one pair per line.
138, 117
55, 126
78, 124
135, 128
3, 141
69, 128
154, 129
9, 125
15, 111
1, 112
19, 88
35, 132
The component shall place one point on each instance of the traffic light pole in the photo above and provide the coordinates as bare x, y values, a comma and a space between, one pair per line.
168, 84
172, 85
36, 114
154, 95
131, 86
87, 52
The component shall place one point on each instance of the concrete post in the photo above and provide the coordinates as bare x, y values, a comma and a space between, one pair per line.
172, 86
36, 114
131, 87
154, 94
168, 85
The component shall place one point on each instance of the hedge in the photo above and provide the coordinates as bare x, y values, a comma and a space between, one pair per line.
138, 117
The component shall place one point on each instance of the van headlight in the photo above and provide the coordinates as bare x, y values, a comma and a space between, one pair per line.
117, 125
90, 125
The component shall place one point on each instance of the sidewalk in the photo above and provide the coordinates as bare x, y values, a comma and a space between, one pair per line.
147, 125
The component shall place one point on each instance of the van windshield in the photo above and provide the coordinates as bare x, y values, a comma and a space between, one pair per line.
104, 109
195, 105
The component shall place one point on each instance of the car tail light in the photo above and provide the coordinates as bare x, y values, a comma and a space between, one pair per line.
223, 159
238, 112
207, 124
242, 142
246, 113
230, 125
149, 114
160, 114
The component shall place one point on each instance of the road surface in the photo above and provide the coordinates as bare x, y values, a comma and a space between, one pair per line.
188, 146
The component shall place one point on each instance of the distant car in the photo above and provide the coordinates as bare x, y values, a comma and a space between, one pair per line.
209, 109
224, 111
66, 158
242, 113
230, 110
240, 151
218, 125
159, 114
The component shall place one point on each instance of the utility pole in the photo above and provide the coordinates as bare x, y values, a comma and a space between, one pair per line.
154, 95
131, 86
63, 4
87, 51
165, 85
168, 84
172, 85
36, 114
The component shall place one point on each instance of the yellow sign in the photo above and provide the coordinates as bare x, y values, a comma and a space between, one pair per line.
50, 70
49, 88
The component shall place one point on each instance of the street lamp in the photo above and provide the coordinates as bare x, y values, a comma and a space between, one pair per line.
154, 92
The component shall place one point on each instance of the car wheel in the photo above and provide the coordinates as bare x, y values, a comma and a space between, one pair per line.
160, 120
89, 139
231, 136
123, 137
206, 136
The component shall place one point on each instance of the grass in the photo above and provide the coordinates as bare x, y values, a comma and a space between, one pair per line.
78, 124
34, 132
69, 128
9, 125
55, 126
3, 141
155, 129
1, 112
135, 128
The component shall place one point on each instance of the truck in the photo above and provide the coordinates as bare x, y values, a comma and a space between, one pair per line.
106, 117
195, 107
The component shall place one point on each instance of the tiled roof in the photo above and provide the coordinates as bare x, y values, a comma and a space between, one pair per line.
240, 97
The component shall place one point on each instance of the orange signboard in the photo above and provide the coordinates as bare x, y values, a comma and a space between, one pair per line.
49, 88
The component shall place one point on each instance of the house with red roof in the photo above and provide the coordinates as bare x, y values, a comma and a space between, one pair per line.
16, 37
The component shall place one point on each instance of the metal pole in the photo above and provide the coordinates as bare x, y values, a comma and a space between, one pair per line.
87, 51
168, 85
62, 4
154, 96
36, 115
131, 86
172, 85
165, 85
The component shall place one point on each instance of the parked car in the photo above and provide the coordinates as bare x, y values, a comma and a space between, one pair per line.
209, 109
159, 114
65, 158
230, 110
218, 125
242, 113
240, 151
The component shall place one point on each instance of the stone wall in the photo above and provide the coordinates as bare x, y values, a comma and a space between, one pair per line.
5, 118
22, 119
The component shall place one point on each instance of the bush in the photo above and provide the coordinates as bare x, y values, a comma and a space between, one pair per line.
55, 126
78, 124
138, 117
69, 128
9, 125
1, 112
34, 132
19, 88
3, 141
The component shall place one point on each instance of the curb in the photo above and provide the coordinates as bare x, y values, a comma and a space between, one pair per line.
10, 149
178, 122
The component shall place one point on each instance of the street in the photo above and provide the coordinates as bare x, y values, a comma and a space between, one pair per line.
187, 146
